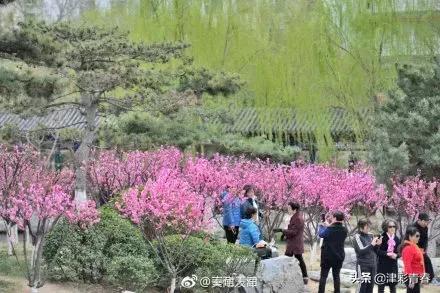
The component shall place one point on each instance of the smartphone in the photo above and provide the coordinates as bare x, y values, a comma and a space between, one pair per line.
323, 217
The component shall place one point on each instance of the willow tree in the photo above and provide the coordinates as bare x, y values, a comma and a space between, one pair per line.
307, 55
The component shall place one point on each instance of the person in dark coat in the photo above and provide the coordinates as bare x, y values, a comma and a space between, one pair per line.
388, 253
332, 250
295, 237
366, 246
250, 200
422, 225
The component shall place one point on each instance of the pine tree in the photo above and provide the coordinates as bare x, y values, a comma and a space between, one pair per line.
96, 70
406, 137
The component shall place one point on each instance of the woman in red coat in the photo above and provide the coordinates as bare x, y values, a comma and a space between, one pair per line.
295, 237
412, 256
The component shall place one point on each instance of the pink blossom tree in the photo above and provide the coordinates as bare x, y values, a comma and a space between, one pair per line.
166, 205
276, 187
413, 195
324, 189
111, 172
41, 197
16, 166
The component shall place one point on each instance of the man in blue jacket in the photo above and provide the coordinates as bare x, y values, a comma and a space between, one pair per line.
231, 215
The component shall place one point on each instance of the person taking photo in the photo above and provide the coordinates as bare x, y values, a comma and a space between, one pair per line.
332, 250
388, 255
366, 246
250, 200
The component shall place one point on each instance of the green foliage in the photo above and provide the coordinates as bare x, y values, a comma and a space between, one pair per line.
98, 61
131, 271
9, 133
308, 55
9, 265
112, 251
214, 83
143, 131
24, 86
206, 258
4, 2
227, 260
257, 147
94, 61
187, 254
189, 127
406, 137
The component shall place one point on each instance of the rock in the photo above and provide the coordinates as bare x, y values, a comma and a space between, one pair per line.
350, 259
217, 231
436, 265
278, 275
314, 275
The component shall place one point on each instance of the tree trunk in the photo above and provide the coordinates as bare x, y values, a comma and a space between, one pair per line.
15, 234
82, 153
173, 284
434, 231
28, 236
432, 248
9, 239
11, 236
35, 281
313, 252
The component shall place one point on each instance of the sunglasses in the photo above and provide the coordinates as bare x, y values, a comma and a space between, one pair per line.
391, 226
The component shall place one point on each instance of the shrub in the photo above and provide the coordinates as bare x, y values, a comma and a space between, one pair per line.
131, 272
108, 252
227, 260
196, 256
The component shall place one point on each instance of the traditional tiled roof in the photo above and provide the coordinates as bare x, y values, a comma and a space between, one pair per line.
247, 120
252, 120
56, 119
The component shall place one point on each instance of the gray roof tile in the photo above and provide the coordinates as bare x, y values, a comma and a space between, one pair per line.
56, 119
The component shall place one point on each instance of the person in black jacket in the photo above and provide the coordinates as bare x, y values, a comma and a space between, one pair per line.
332, 250
422, 225
250, 200
388, 255
366, 246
